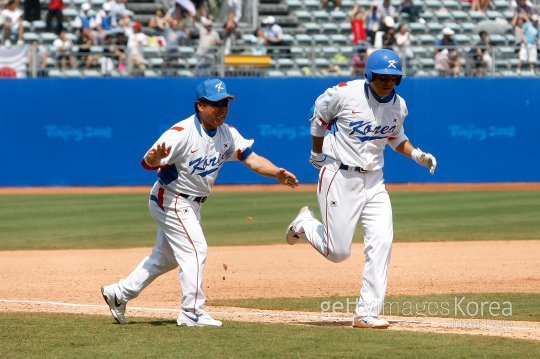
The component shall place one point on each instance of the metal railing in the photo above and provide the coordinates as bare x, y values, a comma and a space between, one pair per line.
288, 61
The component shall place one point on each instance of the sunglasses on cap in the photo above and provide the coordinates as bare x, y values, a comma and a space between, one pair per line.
221, 103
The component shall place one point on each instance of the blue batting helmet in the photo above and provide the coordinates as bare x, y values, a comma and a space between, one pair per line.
384, 62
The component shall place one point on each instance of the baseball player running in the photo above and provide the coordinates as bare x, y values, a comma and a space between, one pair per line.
188, 157
359, 118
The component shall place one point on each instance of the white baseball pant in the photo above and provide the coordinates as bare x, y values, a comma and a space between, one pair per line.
347, 198
180, 242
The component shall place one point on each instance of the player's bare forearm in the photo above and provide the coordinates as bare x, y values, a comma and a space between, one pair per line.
405, 148
155, 155
264, 167
317, 144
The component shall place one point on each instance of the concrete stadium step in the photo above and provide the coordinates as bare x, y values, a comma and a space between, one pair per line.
144, 8
287, 21
281, 9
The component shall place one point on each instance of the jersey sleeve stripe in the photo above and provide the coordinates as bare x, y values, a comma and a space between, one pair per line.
147, 166
247, 152
177, 128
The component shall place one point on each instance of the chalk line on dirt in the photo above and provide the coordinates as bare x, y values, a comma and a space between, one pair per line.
511, 329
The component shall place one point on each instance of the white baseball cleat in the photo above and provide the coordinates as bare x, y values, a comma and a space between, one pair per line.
292, 235
188, 319
373, 323
117, 307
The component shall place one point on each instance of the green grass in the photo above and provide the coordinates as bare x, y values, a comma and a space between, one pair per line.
122, 220
74, 336
524, 306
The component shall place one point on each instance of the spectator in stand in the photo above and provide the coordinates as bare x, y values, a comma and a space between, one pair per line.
517, 23
12, 16
37, 60
213, 8
105, 22
259, 46
234, 13
136, 42
125, 26
479, 5
55, 12
63, 47
403, 43
358, 61
530, 38
481, 55
186, 5
200, 6
387, 9
182, 15
106, 60
158, 22
408, 7
517, 26
85, 43
119, 51
358, 24
337, 4
205, 53
174, 37
373, 21
32, 10
523, 8
85, 22
118, 9
442, 63
387, 23
388, 39
273, 34
448, 52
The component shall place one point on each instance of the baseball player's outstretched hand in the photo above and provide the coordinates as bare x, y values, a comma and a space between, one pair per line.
287, 178
155, 155
425, 159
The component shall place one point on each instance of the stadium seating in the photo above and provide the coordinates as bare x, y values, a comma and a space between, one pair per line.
314, 36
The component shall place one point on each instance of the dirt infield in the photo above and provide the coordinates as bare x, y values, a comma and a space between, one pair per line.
69, 280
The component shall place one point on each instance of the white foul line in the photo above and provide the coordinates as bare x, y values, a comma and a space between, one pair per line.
284, 314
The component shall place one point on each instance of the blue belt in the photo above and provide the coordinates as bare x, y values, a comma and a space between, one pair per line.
352, 169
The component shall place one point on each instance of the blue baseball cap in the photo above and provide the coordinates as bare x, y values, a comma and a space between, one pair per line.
213, 90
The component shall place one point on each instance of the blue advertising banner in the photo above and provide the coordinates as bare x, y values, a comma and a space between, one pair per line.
56, 132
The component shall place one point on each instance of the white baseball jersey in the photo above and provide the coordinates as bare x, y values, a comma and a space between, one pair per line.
194, 161
190, 169
359, 125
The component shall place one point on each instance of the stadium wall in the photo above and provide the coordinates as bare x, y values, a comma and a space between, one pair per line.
56, 132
